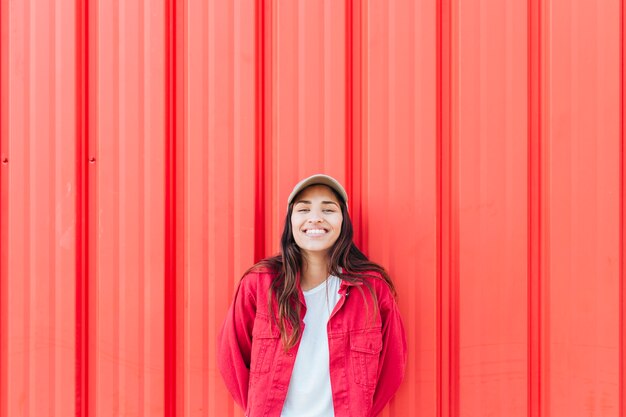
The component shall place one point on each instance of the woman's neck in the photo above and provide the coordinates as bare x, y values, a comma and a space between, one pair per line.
314, 272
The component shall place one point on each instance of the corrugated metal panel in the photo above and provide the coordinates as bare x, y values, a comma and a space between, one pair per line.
38, 208
126, 100
218, 173
491, 165
147, 150
401, 181
583, 151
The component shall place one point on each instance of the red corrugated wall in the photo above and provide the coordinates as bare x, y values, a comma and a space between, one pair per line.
147, 149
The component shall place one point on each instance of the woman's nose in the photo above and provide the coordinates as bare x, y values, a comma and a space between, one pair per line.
315, 217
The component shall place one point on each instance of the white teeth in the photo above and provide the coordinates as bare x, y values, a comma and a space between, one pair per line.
315, 232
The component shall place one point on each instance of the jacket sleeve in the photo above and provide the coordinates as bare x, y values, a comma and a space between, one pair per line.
235, 343
393, 355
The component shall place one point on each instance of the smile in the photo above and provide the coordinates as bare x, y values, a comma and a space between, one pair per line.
315, 232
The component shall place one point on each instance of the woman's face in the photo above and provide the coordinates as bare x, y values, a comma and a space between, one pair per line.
316, 219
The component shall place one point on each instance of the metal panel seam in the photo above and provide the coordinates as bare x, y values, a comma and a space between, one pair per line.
453, 205
447, 326
354, 133
82, 149
439, 260
170, 210
261, 127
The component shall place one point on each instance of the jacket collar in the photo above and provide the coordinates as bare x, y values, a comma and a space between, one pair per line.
345, 285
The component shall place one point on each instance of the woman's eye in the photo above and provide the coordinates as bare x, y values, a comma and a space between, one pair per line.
304, 210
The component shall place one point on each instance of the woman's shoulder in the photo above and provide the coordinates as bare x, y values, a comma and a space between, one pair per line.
378, 283
258, 276
255, 283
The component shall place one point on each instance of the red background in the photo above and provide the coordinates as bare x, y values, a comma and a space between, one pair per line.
148, 148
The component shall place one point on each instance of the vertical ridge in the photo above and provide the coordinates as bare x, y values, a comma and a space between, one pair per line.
170, 210
82, 259
142, 216
53, 139
447, 227
262, 99
439, 260
357, 98
534, 208
178, 108
208, 171
622, 388
349, 175
26, 199
4, 169
544, 84
441, 380
452, 192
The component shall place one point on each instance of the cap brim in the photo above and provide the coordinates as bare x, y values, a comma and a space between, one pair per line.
322, 180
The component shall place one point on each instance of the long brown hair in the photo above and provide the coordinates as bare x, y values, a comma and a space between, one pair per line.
287, 264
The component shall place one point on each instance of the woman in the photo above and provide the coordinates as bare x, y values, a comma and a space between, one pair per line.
314, 331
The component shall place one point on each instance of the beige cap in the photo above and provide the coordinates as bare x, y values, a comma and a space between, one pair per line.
319, 179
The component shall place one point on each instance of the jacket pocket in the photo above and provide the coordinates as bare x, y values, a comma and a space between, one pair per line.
265, 338
365, 348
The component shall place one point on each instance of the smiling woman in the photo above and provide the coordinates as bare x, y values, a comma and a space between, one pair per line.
293, 343
316, 223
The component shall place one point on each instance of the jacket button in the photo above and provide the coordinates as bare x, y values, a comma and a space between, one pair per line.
290, 354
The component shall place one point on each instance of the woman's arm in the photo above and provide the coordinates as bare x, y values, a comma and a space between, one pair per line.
393, 355
235, 342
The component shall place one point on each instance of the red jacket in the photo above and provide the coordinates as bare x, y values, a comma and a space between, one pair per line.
367, 348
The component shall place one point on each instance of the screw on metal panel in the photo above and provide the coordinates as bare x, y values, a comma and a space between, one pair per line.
92, 160
5, 160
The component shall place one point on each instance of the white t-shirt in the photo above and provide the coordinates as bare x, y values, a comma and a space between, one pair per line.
309, 393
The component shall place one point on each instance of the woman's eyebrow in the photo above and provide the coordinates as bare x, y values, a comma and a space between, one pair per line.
308, 202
